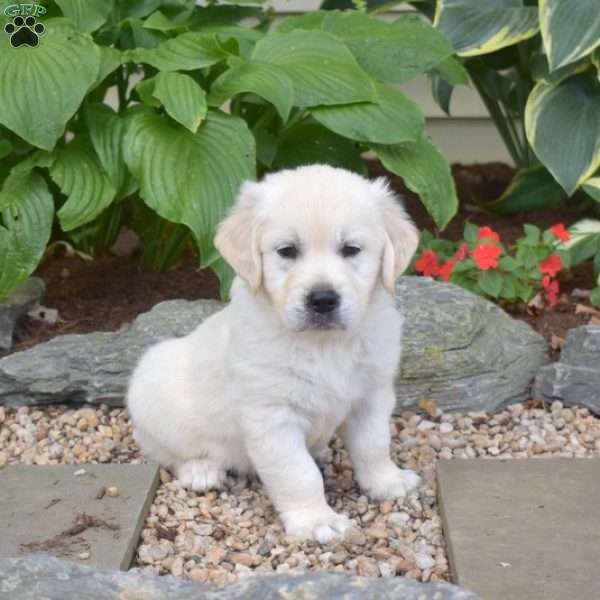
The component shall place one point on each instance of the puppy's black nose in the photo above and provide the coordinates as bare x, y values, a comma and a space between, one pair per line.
323, 301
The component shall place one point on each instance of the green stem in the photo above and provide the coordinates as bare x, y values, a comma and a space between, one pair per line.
122, 80
296, 118
500, 122
265, 119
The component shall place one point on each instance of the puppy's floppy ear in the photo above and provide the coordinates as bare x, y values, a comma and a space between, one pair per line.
237, 236
401, 235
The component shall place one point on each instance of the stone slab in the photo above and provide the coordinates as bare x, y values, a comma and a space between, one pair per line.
50, 509
37, 577
523, 529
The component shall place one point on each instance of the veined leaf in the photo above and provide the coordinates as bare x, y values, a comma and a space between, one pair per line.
490, 282
183, 99
270, 82
309, 20
185, 52
563, 128
483, 26
88, 16
27, 211
107, 133
394, 52
42, 87
322, 69
190, 178
110, 59
308, 142
78, 174
530, 189
391, 119
427, 173
584, 242
592, 187
570, 30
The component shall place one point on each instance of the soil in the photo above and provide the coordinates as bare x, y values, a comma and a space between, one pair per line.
104, 294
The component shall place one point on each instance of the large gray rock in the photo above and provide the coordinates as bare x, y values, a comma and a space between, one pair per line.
42, 576
575, 379
25, 297
459, 350
463, 351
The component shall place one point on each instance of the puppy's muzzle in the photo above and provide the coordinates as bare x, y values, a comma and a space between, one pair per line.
321, 306
322, 301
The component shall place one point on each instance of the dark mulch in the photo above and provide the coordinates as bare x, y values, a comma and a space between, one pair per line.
104, 294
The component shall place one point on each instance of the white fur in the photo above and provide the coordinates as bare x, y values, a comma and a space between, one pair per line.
258, 387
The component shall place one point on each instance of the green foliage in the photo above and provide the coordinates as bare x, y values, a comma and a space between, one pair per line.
203, 102
536, 66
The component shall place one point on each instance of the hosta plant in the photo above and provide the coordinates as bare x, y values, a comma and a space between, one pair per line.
205, 97
483, 264
536, 66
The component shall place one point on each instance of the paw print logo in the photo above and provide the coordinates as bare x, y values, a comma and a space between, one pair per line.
24, 32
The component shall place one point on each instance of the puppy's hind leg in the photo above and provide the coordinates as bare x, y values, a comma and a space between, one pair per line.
199, 474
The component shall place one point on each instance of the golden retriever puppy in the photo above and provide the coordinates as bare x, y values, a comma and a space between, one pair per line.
308, 346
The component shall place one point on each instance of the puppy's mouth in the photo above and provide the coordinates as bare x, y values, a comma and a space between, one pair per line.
319, 322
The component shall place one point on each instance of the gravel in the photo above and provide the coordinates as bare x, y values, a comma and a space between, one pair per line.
222, 536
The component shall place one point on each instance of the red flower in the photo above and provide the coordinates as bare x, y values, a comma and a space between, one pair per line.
546, 280
486, 256
428, 264
552, 289
560, 232
551, 266
461, 253
446, 270
488, 233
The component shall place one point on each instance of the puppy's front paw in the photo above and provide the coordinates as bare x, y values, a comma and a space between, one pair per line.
321, 525
392, 483
199, 475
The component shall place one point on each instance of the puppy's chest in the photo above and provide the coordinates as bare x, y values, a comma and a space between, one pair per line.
329, 382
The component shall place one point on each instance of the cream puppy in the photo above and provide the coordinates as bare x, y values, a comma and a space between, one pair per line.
308, 346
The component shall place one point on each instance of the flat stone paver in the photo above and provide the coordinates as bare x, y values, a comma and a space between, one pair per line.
51, 509
523, 529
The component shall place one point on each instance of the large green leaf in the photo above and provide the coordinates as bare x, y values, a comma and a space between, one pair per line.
592, 187
530, 189
308, 143
185, 52
79, 175
563, 127
27, 210
183, 99
190, 178
483, 26
584, 242
42, 87
88, 16
427, 173
322, 68
309, 20
393, 52
110, 59
107, 133
391, 119
271, 82
570, 30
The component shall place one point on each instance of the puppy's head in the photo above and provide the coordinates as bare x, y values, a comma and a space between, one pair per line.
318, 240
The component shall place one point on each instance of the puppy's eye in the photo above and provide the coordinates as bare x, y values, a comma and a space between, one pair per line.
349, 251
288, 252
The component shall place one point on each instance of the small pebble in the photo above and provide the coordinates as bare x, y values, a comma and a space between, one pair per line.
113, 491
83, 555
